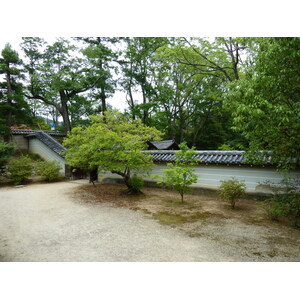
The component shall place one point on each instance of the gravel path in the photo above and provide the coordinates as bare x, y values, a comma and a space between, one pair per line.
43, 222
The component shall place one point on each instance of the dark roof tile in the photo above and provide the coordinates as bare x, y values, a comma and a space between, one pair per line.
49, 141
205, 157
29, 131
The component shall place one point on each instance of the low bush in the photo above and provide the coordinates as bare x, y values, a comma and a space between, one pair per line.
231, 190
136, 184
20, 169
48, 170
34, 156
6, 151
285, 202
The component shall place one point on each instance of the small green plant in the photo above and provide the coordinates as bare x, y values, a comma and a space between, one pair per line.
20, 169
136, 184
231, 190
48, 170
285, 202
6, 151
181, 174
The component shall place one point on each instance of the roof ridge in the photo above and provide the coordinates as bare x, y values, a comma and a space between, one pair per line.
33, 131
51, 142
220, 157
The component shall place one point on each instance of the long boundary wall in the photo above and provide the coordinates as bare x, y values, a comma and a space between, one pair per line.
210, 176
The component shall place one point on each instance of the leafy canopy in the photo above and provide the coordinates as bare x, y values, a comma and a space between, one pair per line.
111, 143
266, 107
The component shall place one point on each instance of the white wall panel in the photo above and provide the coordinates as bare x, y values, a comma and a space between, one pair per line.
211, 176
36, 146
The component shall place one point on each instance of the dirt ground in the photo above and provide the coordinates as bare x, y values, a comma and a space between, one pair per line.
245, 229
74, 221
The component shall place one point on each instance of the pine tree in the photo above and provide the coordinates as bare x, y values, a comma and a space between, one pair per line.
13, 107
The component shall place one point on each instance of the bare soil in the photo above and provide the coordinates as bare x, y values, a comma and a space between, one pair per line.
245, 229
74, 221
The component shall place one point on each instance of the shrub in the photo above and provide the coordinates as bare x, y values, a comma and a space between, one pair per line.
232, 189
34, 156
136, 184
180, 174
48, 170
285, 202
6, 151
20, 169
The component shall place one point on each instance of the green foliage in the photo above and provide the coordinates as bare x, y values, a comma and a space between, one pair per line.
20, 169
112, 143
12, 103
266, 104
225, 147
48, 170
34, 157
57, 75
6, 151
285, 202
40, 124
138, 69
136, 183
181, 174
231, 190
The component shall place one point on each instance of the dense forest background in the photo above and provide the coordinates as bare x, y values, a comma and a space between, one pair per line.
213, 93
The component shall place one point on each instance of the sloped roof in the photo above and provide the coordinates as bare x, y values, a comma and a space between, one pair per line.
163, 145
49, 141
206, 157
30, 131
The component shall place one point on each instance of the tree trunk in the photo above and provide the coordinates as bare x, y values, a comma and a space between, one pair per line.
145, 110
125, 175
181, 194
64, 111
9, 100
103, 100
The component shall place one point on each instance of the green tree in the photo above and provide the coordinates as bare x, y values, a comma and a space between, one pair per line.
188, 104
181, 174
6, 151
57, 75
266, 105
12, 104
20, 169
112, 143
220, 58
101, 58
138, 71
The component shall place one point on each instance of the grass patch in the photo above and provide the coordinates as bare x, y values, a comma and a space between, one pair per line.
171, 219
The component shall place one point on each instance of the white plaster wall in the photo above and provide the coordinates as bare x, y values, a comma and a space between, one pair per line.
211, 176
36, 146
20, 142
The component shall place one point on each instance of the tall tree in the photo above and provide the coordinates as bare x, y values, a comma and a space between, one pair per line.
137, 68
60, 75
101, 57
220, 57
266, 106
188, 103
13, 107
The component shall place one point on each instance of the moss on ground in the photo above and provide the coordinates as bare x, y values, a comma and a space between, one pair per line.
170, 219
